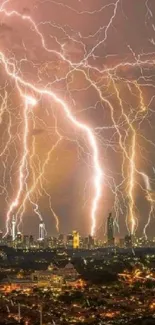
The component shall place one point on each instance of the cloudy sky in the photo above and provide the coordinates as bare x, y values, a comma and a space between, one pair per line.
108, 48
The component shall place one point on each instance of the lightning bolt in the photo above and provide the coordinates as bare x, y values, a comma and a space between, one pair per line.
22, 168
124, 96
20, 82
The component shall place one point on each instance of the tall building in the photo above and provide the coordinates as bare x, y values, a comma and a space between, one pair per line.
8, 240
50, 242
128, 241
110, 230
69, 241
61, 240
41, 230
31, 241
121, 242
13, 228
76, 239
55, 242
1, 236
91, 242
26, 241
87, 242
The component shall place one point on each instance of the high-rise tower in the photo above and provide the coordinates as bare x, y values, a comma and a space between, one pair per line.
110, 230
41, 230
13, 228
76, 239
1, 236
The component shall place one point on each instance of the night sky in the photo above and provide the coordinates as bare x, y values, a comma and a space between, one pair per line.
111, 48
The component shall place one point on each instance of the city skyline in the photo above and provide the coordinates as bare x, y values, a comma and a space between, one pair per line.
73, 239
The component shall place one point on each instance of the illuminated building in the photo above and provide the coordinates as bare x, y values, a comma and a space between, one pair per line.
13, 229
19, 240
48, 277
41, 231
110, 230
61, 240
76, 239
19, 237
55, 275
68, 272
50, 242
55, 242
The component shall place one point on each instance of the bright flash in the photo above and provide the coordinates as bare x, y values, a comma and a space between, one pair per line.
31, 100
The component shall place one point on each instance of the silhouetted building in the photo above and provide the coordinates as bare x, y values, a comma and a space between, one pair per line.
55, 242
87, 242
110, 230
26, 241
128, 241
1, 236
84, 242
31, 241
90, 242
121, 242
8, 240
69, 241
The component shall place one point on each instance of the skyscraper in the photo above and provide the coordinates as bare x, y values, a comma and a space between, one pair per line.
69, 241
13, 228
19, 240
76, 239
31, 241
41, 230
110, 230
61, 240
1, 236
91, 242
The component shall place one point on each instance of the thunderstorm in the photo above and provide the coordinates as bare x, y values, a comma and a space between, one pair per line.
77, 116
